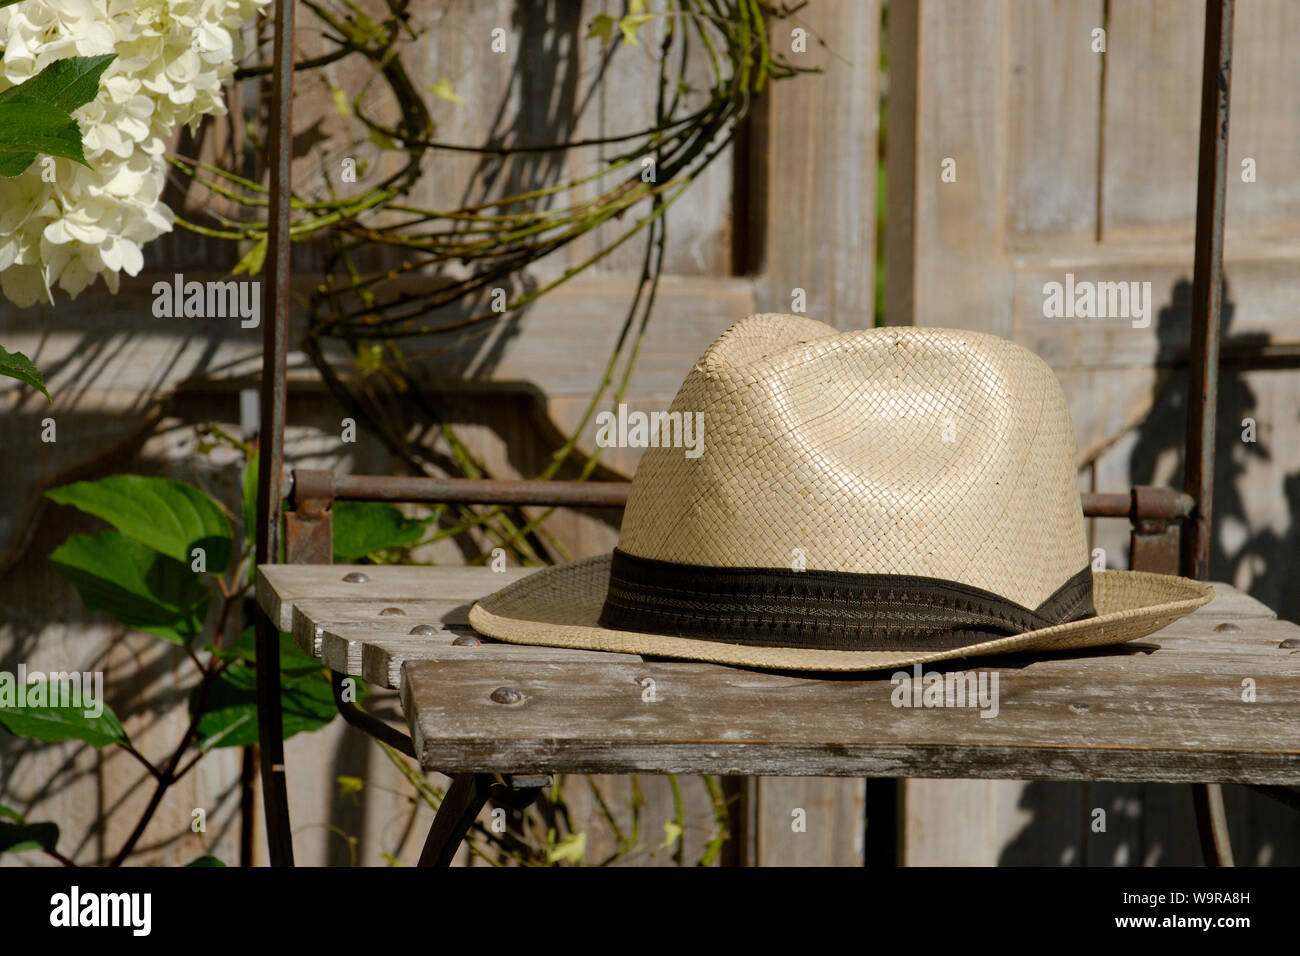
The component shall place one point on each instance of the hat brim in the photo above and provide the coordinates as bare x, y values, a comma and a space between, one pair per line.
560, 607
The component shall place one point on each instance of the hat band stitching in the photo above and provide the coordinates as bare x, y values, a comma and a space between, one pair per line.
843, 601
822, 609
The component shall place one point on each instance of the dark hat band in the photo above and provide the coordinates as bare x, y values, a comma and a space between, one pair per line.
830, 610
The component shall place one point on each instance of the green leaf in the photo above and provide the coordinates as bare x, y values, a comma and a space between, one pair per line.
364, 527
601, 28
630, 24
341, 104
15, 164
135, 585
17, 834
672, 833
28, 126
19, 366
350, 785
167, 515
204, 861
66, 84
252, 259
292, 659
370, 357
53, 724
442, 89
230, 715
248, 508
572, 848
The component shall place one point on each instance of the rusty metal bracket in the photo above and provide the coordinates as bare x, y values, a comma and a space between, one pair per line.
309, 525
368, 722
463, 801
1155, 539
461, 804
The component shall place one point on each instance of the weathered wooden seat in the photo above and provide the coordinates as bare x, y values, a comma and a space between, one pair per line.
1215, 697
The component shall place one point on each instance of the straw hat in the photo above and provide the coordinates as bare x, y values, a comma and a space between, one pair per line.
859, 500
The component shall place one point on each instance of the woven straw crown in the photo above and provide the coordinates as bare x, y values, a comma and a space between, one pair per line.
861, 500
908, 451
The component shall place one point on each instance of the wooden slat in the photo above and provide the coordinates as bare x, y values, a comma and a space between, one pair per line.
699, 230
1038, 823
1054, 96
829, 810
815, 158
1154, 76
1172, 715
280, 586
948, 99
561, 348
967, 836
348, 637
444, 593
1265, 104
317, 603
1229, 602
1260, 306
1153, 73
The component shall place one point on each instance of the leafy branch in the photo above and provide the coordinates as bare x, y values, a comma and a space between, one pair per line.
171, 554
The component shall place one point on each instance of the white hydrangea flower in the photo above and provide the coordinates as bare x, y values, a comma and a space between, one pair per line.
173, 57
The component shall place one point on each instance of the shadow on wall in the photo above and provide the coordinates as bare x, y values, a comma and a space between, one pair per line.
1124, 824
542, 105
1267, 555
548, 95
1151, 824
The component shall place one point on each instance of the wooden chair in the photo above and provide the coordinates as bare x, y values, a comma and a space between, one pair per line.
476, 708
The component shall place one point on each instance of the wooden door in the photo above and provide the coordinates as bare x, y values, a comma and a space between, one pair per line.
1064, 160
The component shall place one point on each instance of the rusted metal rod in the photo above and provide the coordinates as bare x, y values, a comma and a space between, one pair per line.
368, 722
1203, 353
275, 348
601, 494
1207, 285
571, 494
460, 805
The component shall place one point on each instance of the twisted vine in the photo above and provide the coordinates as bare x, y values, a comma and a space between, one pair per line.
478, 254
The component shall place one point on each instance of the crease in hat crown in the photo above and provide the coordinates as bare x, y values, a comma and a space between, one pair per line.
908, 452
937, 453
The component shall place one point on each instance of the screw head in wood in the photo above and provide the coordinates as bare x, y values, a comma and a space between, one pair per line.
1227, 627
423, 630
467, 640
507, 695
392, 612
1289, 643
356, 577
